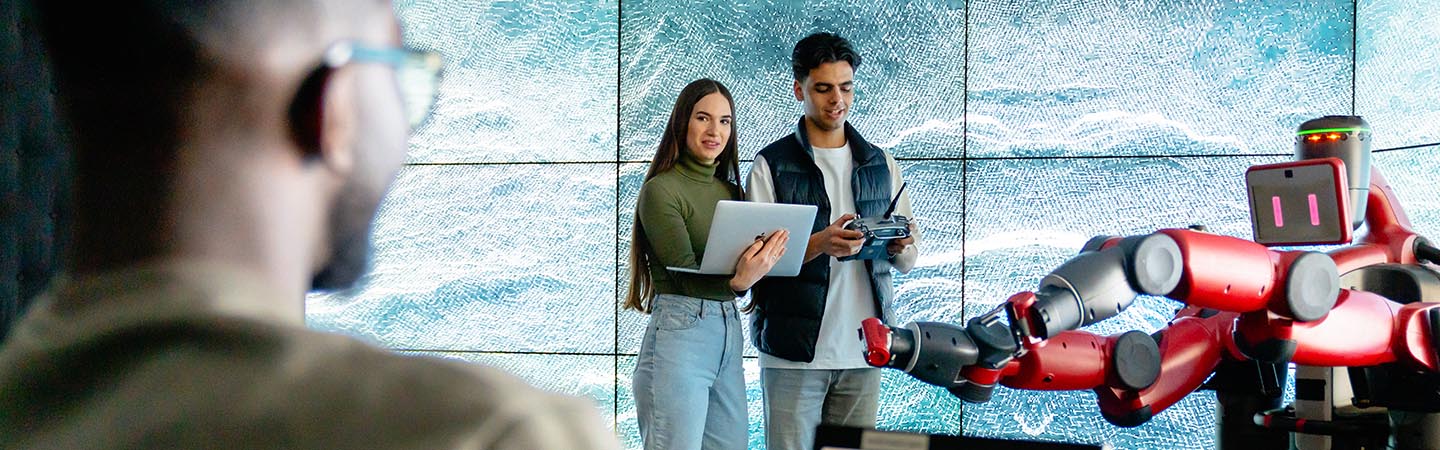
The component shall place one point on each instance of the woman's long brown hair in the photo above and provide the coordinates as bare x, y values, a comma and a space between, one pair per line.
642, 288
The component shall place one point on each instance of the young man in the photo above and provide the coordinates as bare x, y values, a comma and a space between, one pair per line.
230, 156
812, 371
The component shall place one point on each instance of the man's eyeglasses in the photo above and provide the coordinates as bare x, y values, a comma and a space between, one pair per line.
417, 72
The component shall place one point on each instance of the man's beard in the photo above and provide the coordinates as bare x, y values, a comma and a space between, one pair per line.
349, 230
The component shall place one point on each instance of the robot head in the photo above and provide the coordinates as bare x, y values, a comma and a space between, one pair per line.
1346, 138
1320, 197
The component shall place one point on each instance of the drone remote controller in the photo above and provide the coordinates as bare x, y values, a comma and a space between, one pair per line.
879, 231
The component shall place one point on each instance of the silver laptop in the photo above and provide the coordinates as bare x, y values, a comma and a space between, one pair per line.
737, 224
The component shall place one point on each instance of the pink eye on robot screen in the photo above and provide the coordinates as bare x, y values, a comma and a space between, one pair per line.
1280, 215
1303, 192
1314, 212
1279, 212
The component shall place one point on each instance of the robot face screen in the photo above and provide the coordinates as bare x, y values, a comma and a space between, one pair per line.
1299, 203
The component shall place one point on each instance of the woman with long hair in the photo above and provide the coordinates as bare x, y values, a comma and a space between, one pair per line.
689, 385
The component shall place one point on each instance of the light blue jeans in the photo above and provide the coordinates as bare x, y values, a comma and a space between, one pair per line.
798, 400
689, 382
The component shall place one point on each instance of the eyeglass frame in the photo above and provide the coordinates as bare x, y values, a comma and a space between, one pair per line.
306, 109
428, 64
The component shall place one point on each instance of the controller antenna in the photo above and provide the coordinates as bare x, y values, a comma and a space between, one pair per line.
896, 200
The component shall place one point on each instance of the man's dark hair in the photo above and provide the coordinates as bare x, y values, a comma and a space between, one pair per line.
120, 69
821, 48
123, 72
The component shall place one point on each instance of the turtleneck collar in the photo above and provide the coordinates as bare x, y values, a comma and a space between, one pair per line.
694, 169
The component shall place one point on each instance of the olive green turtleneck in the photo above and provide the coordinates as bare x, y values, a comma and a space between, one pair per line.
675, 211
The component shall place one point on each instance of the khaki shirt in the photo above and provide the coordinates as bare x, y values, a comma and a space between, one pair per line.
198, 357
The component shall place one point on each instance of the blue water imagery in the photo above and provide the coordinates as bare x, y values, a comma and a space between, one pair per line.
1119, 77
488, 258
1414, 175
910, 91
523, 80
1397, 80
1024, 127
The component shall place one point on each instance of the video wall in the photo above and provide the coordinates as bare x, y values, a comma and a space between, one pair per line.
1023, 127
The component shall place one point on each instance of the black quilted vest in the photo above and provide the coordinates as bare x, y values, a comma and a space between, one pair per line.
786, 321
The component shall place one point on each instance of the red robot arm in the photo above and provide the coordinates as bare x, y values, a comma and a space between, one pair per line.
1244, 302
1040, 350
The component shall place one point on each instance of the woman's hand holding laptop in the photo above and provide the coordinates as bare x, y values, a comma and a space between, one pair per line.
757, 259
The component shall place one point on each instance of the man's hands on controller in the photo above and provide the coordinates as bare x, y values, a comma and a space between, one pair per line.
834, 240
898, 245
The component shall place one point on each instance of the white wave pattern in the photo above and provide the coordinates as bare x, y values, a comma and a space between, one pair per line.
522, 82
1095, 133
1396, 75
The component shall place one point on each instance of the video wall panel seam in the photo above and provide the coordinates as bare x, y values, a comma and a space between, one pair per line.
1407, 147
619, 67
1354, 53
618, 163
907, 159
965, 161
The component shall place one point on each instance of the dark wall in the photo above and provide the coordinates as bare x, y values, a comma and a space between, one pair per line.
33, 169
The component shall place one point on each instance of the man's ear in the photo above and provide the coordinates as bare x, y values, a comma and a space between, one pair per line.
318, 123
307, 113
799, 93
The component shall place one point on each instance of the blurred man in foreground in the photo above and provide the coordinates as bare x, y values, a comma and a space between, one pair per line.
230, 156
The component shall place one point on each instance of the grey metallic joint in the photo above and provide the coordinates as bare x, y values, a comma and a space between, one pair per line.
1153, 263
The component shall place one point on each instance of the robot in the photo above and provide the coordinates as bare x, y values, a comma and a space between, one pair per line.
1358, 311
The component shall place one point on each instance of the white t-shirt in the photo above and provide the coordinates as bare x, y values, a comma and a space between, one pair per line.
849, 299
